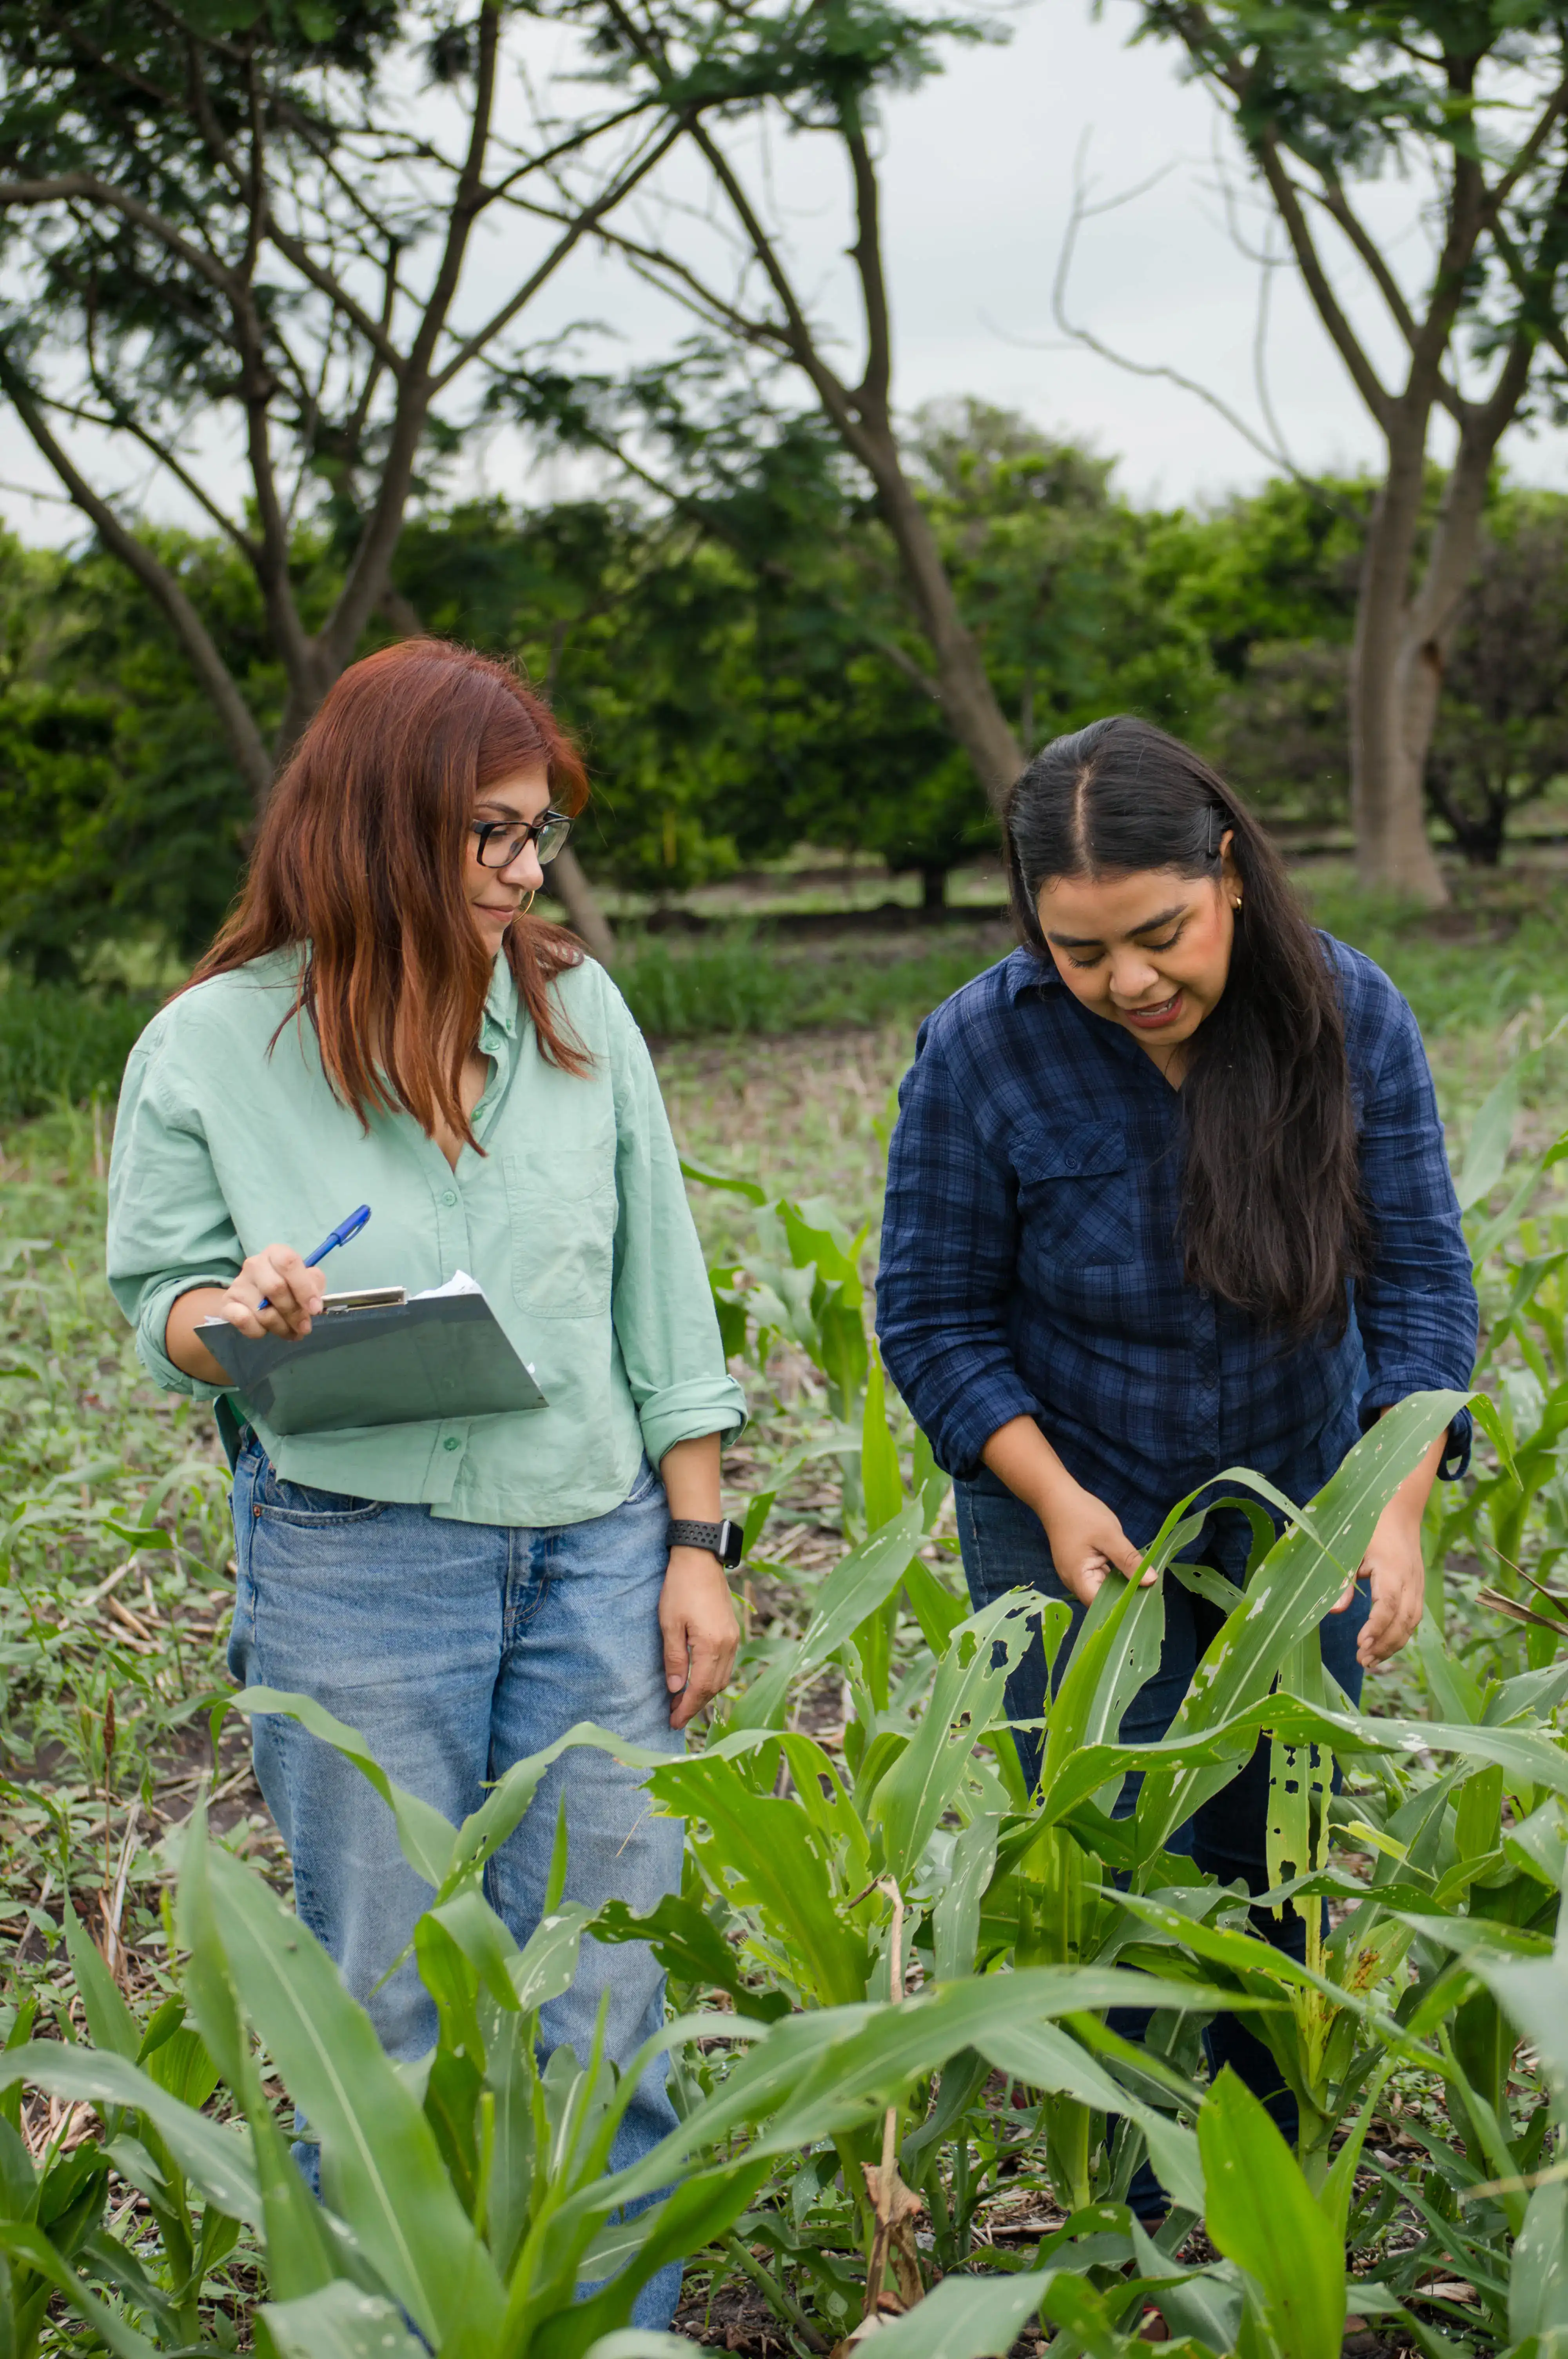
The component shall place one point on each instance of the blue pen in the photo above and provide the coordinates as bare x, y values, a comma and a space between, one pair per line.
339, 1236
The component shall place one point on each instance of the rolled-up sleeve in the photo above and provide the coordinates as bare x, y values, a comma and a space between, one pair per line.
665, 1323
1416, 1306
948, 1255
169, 1228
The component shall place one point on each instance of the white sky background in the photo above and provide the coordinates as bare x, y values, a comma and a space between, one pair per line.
978, 172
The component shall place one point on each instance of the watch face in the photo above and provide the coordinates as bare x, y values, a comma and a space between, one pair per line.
735, 1540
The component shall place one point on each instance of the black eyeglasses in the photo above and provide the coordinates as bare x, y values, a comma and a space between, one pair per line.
503, 841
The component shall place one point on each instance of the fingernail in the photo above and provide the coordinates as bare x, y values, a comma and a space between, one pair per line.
675, 1685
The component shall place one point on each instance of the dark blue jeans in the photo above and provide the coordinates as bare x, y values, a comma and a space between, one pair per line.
1005, 1548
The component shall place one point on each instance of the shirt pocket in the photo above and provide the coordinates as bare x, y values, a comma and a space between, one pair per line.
1074, 1193
563, 1231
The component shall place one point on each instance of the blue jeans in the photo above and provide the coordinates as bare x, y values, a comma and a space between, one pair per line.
457, 1649
1005, 1548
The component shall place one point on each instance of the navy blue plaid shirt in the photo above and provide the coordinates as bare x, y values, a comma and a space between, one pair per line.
1029, 1265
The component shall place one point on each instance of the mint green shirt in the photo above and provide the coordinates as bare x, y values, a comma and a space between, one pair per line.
574, 1220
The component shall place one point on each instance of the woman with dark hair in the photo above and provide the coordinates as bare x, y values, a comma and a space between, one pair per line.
1168, 1194
382, 1020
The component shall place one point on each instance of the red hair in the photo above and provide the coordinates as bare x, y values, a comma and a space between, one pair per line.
359, 861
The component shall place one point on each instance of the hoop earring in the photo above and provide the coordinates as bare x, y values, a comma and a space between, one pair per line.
524, 907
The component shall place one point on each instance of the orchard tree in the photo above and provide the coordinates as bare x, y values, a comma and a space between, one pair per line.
817, 70
267, 253
1469, 100
1502, 730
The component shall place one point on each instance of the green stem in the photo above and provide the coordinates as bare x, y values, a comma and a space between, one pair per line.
783, 2304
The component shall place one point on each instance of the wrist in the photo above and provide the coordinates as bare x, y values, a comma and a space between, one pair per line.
718, 1540
1053, 1493
697, 1561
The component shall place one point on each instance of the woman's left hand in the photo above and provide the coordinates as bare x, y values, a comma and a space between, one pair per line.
696, 1618
1395, 1568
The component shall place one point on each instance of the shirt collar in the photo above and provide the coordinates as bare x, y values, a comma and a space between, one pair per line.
1027, 971
500, 1000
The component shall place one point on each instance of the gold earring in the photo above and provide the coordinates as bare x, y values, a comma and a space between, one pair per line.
525, 907
1237, 903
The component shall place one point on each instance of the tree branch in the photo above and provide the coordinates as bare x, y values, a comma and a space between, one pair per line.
1498, 197
244, 738
86, 187
371, 560
833, 393
580, 228
295, 251
874, 392
1363, 376
257, 386
121, 421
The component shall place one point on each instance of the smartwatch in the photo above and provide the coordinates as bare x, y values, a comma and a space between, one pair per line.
722, 1540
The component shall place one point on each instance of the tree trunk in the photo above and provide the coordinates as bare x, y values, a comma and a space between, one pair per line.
933, 891
1451, 562
564, 878
967, 699
1402, 637
307, 687
1387, 799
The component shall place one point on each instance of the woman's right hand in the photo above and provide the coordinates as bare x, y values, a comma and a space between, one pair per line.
290, 1288
1088, 1542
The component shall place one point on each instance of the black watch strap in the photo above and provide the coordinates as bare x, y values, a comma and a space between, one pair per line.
722, 1540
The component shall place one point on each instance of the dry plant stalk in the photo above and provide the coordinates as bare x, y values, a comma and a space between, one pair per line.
897, 2206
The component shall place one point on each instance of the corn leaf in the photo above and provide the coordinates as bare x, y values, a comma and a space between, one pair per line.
813, 2074
425, 1835
338, 2322
909, 1801
1287, 1598
301, 2258
767, 1843
20, 2241
858, 1584
962, 2318
215, 2161
379, 2157
1261, 2214
1538, 2284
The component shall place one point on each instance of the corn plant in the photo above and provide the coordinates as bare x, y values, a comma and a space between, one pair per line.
802, 1286
466, 2202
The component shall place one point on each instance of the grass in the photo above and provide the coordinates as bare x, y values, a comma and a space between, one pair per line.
59, 1045
1497, 957
752, 980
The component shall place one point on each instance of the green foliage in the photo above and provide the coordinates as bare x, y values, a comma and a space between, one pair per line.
59, 1045
913, 1957
121, 812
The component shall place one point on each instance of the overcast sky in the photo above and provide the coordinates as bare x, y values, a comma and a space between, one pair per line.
979, 173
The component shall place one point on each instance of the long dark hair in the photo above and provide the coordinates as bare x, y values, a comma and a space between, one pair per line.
361, 855
1272, 1212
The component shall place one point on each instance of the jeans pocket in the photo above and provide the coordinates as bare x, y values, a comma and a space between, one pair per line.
646, 1484
300, 1503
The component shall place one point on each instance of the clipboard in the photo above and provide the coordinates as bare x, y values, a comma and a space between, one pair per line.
439, 1356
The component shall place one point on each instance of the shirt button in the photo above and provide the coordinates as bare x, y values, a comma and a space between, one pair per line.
448, 1195
452, 1442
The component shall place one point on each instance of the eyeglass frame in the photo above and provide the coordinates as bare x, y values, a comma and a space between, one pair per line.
523, 832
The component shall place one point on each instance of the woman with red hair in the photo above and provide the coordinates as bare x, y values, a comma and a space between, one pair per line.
382, 1020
